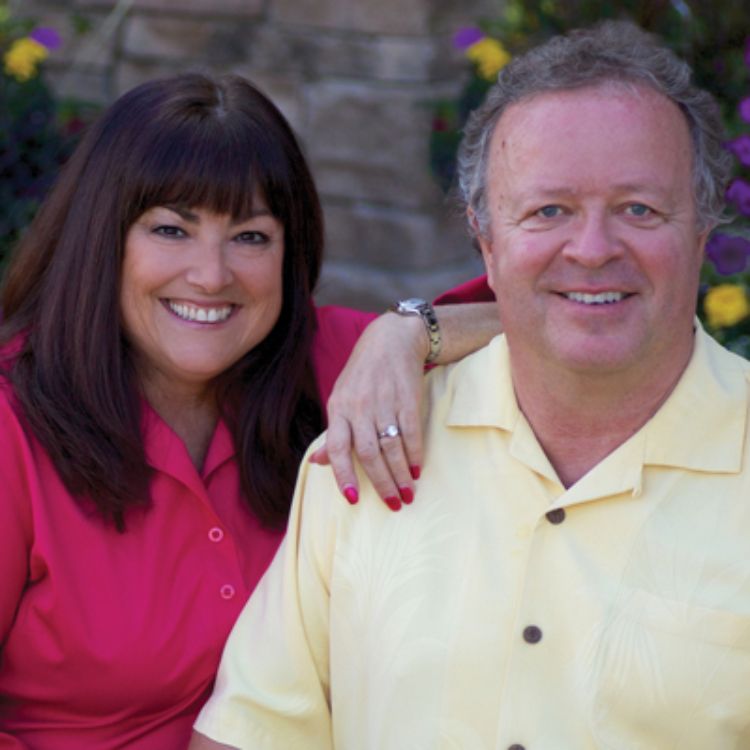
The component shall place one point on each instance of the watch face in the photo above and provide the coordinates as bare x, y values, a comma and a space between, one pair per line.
411, 304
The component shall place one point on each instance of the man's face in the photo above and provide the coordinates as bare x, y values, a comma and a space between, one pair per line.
592, 249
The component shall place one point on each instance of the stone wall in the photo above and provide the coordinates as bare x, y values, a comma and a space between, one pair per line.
354, 77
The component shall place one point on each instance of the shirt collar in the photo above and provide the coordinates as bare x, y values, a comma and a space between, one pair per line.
701, 426
166, 452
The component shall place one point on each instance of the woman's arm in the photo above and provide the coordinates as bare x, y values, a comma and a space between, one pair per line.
381, 385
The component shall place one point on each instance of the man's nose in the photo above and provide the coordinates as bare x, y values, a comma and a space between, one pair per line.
593, 242
209, 270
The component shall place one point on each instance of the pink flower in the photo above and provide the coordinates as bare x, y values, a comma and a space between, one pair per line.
739, 194
740, 147
466, 36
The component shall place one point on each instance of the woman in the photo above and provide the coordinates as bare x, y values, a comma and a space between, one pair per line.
158, 393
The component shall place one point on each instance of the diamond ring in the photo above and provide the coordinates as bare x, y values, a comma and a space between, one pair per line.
390, 431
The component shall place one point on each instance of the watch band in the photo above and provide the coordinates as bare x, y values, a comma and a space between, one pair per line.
418, 306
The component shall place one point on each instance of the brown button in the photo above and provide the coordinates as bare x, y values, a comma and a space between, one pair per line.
556, 516
532, 634
516, 747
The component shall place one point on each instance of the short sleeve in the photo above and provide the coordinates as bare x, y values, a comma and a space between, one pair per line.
476, 290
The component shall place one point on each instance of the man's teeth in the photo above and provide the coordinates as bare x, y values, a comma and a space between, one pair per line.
603, 298
200, 314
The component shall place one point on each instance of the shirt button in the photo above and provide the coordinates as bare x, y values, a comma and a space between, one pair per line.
516, 747
556, 516
215, 534
532, 634
227, 591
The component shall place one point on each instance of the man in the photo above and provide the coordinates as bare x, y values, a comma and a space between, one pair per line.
576, 574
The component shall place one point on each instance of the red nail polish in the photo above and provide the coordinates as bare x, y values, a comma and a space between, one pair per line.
351, 494
406, 494
415, 471
393, 502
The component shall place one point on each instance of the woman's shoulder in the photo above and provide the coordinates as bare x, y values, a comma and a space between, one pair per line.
334, 321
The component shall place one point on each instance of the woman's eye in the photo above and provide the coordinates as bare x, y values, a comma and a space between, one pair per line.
252, 238
168, 230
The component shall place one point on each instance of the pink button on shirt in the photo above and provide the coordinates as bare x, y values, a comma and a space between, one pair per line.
112, 640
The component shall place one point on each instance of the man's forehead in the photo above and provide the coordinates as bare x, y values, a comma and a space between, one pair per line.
609, 89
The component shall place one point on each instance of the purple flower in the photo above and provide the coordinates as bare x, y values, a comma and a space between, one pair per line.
740, 147
747, 52
46, 36
744, 109
466, 36
728, 253
738, 193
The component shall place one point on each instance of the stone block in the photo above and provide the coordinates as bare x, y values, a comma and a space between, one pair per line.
370, 142
317, 54
284, 90
249, 8
388, 238
383, 17
357, 285
131, 73
189, 39
83, 84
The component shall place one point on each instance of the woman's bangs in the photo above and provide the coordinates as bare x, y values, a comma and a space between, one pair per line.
216, 174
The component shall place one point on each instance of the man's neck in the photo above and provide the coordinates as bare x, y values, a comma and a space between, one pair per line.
580, 419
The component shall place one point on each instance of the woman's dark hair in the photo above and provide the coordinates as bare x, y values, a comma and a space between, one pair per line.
188, 140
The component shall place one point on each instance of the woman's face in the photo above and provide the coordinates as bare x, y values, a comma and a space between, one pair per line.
199, 291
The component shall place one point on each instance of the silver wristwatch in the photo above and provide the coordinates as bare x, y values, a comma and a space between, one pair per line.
417, 306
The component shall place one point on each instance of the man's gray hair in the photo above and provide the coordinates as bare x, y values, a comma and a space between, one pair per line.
612, 51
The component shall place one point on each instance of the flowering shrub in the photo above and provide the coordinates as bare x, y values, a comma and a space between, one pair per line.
715, 38
36, 131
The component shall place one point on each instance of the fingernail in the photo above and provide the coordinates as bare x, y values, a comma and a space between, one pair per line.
351, 494
393, 503
406, 494
415, 471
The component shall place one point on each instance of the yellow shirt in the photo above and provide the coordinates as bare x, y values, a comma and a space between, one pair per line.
503, 611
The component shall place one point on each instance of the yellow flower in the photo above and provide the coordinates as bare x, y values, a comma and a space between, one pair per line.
490, 57
23, 57
725, 305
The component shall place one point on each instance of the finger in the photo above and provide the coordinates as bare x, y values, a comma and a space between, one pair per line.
338, 452
392, 450
320, 456
411, 439
368, 450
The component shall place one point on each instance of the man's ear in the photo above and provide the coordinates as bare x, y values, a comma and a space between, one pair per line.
483, 244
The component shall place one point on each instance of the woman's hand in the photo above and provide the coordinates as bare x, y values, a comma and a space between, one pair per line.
381, 387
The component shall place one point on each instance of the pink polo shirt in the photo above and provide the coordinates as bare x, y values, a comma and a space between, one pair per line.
112, 640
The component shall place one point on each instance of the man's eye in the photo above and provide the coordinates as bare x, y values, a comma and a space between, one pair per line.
639, 210
549, 212
167, 230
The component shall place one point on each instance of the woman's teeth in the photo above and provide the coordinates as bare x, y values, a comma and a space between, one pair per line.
200, 314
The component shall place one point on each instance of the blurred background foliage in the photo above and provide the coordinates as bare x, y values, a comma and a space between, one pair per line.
37, 129
713, 36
